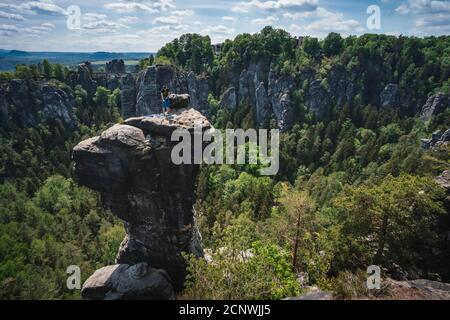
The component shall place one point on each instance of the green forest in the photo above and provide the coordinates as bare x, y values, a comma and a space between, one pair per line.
354, 189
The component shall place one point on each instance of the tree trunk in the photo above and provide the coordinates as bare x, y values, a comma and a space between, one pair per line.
382, 240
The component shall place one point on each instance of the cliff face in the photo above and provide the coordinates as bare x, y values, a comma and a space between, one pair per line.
151, 80
270, 92
130, 165
29, 103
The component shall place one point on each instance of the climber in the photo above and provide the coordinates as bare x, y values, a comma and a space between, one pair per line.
165, 99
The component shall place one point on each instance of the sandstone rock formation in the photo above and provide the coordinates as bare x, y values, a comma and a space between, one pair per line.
58, 104
27, 103
228, 99
434, 105
122, 282
115, 66
151, 80
130, 165
389, 96
85, 79
20, 95
437, 139
128, 96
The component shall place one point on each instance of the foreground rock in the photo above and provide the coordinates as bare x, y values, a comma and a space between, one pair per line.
125, 282
130, 165
416, 290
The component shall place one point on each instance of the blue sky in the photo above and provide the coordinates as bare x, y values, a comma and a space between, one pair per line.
146, 25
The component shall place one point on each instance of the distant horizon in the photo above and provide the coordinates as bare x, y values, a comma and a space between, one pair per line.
146, 25
39, 51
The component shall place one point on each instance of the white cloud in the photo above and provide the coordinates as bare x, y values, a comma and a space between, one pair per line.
183, 13
128, 19
37, 30
94, 16
167, 20
326, 22
104, 26
430, 16
11, 16
265, 21
8, 27
46, 7
164, 5
272, 5
403, 9
123, 7
228, 18
219, 29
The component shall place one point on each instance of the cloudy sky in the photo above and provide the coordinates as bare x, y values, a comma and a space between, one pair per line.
145, 25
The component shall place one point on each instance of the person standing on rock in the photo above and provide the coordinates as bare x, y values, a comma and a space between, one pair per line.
165, 99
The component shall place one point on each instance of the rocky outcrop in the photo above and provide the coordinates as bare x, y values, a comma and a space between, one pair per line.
249, 80
21, 97
437, 140
3, 106
279, 93
58, 105
198, 89
420, 289
147, 93
340, 86
130, 165
83, 77
151, 81
313, 293
389, 97
444, 181
125, 282
128, 96
263, 107
318, 100
28, 103
115, 66
228, 99
435, 104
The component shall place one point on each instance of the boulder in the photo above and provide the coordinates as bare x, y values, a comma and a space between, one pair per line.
128, 282
131, 166
179, 101
444, 180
